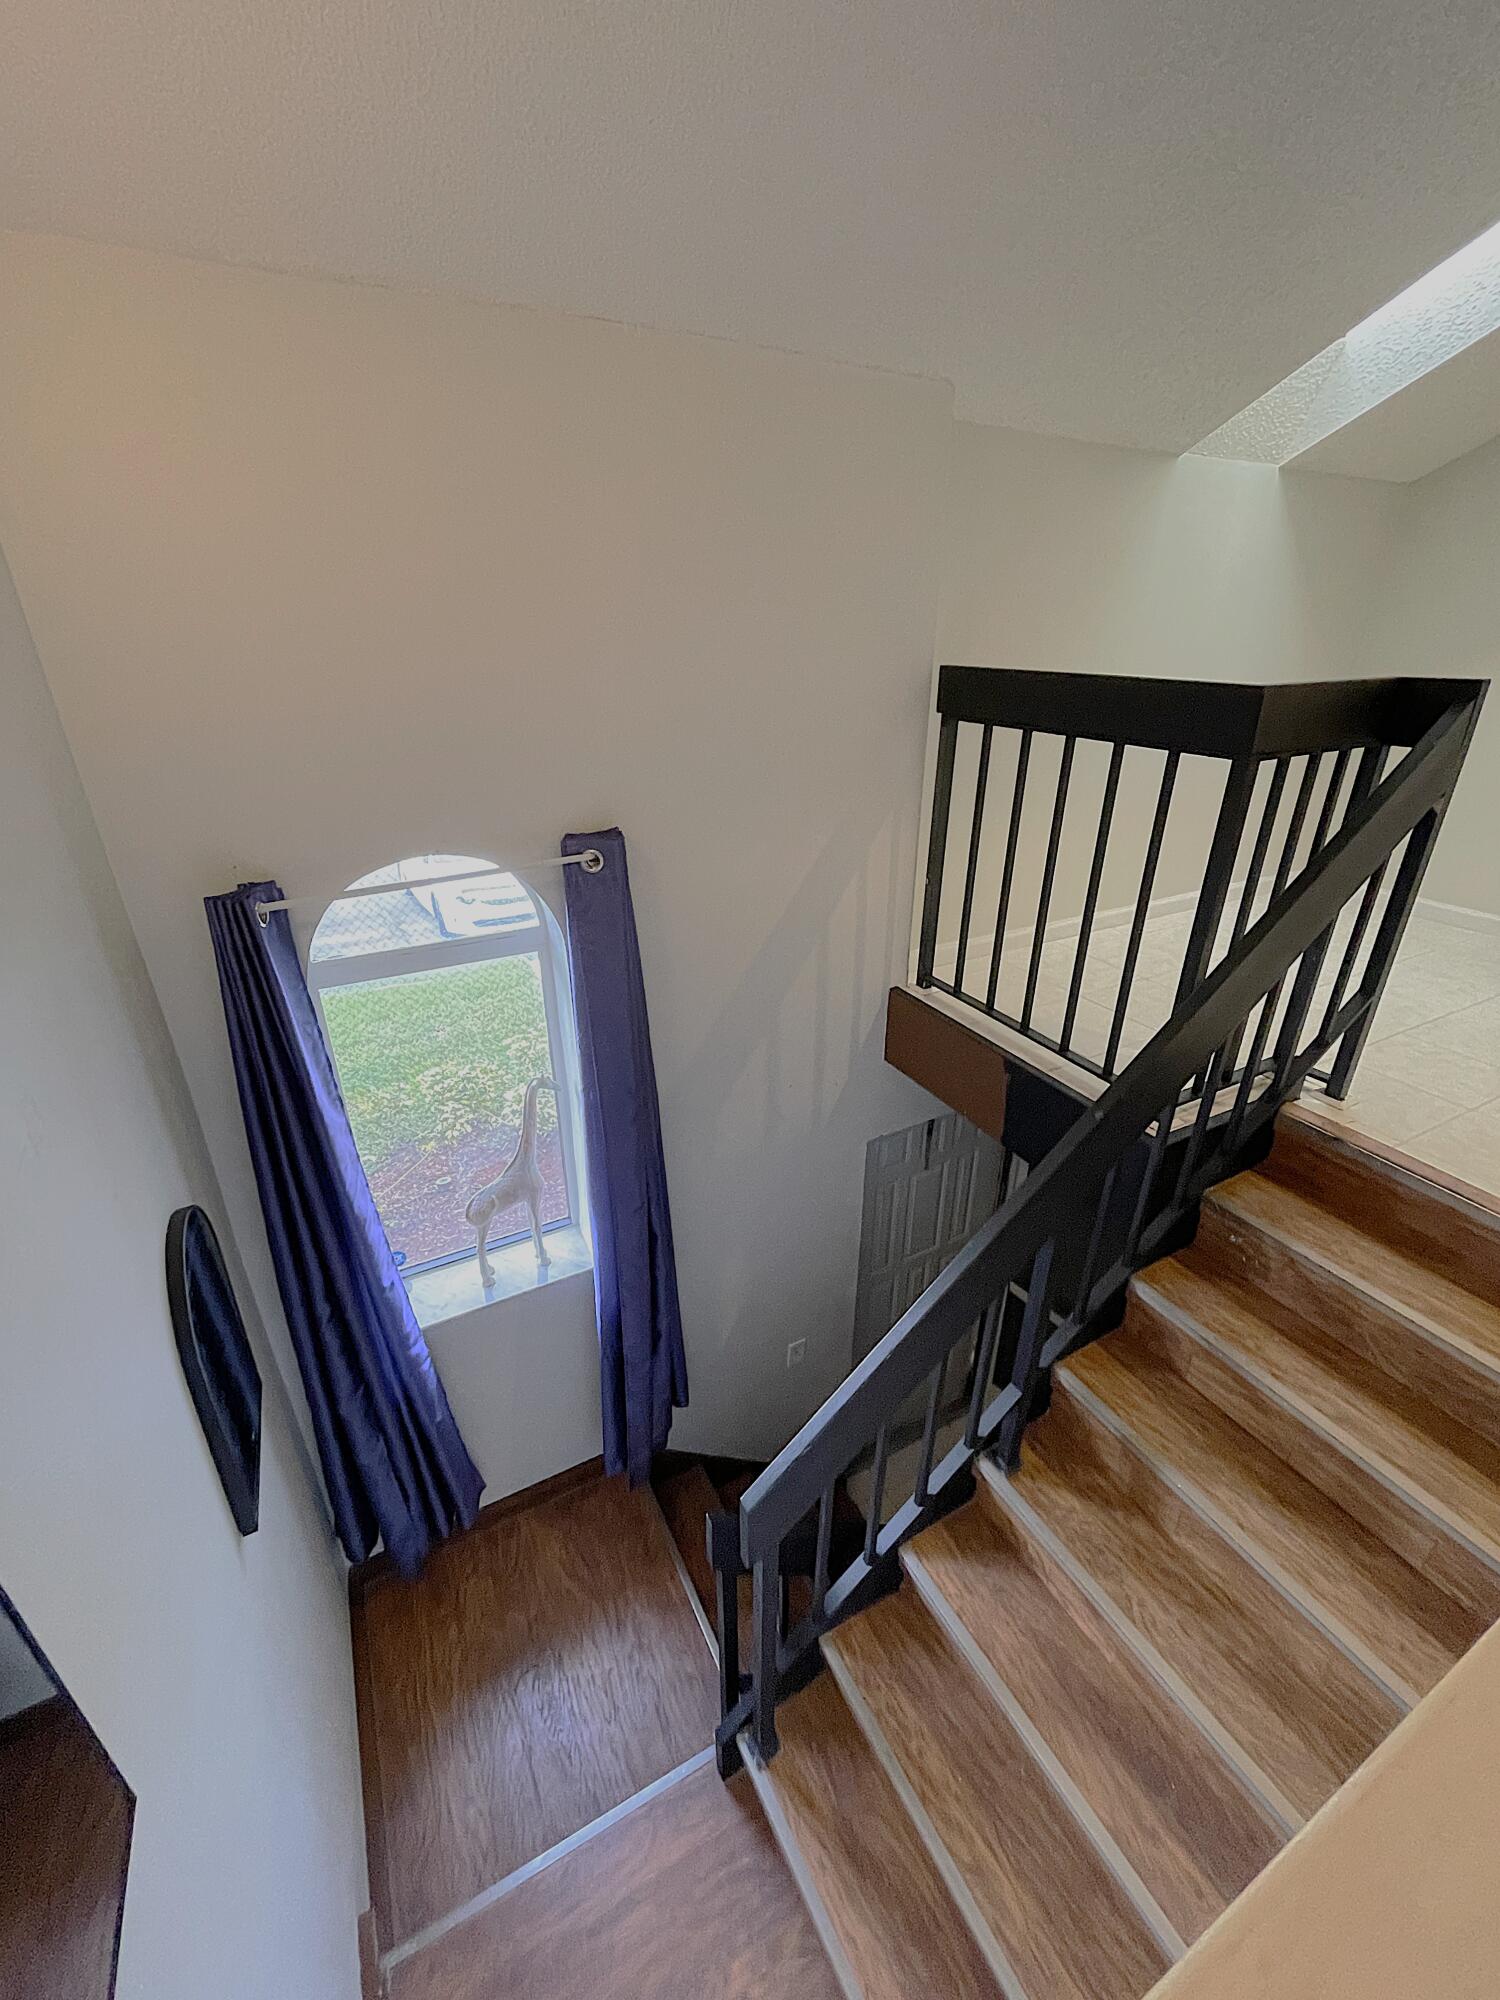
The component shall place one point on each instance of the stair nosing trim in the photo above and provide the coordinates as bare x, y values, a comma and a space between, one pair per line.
1298, 1596
1241, 1764
848, 1979
1458, 1349
1108, 1849
1371, 1463
954, 1881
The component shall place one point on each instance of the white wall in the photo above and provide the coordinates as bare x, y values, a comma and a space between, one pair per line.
23, 1681
1080, 558
325, 575
1438, 612
215, 1670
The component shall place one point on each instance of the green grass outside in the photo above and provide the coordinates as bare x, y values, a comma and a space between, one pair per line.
434, 1058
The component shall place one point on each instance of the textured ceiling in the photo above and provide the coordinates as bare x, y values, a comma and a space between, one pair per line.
1116, 219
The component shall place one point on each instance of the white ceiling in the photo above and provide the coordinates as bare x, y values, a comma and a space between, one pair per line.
1115, 219
1438, 417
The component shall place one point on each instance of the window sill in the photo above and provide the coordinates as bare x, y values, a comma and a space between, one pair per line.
449, 1291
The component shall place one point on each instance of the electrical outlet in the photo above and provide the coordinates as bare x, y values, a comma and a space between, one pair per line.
795, 1351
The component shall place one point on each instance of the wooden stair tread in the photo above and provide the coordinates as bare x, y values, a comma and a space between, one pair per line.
687, 1499
1394, 1613
1432, 1303
1191, 1831
1021, 1854
1452, 1471
1297, 1707
1236, 1387
1429, 1223
851, 1843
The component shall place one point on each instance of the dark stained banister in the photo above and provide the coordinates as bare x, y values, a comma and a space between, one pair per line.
1121, 1188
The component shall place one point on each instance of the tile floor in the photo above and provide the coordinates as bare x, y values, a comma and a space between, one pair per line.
1428, 1081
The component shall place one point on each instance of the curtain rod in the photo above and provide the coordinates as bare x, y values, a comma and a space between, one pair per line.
591, 861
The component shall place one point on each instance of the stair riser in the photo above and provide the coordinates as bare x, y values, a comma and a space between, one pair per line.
1413, 1216
1323, 1460
1309, 1291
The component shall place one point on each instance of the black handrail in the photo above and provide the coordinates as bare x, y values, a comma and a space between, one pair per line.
1049, 1269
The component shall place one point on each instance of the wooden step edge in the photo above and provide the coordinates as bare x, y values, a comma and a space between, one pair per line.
1463, 1352
761, 1778
1003, 1493
1381, 1158
1433, 1511
689, 1588
991, 1950
1295, 1593
1153, 1917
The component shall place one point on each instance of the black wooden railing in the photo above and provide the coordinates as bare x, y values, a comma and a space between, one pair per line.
1276, 770
1049, 1269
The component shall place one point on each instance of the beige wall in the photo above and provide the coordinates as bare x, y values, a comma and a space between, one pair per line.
325, 575
1389, 1893
216, 1669
1439, 613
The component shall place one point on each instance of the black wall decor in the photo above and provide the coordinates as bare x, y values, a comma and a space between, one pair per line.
216, 1358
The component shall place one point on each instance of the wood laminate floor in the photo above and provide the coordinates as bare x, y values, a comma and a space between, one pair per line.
64, 1842
685, 1899
546, 1667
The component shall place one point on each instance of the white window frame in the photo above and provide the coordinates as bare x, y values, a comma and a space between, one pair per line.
359, 968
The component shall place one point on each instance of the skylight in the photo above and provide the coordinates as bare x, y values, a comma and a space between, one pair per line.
1454, 305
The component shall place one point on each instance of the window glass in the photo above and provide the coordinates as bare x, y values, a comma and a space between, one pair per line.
435, 1063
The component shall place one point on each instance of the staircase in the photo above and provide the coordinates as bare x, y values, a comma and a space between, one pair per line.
1258, 1522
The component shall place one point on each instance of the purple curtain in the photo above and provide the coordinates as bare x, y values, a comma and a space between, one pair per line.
643, 1370
394, 1463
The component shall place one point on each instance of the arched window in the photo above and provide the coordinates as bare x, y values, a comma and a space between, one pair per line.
445, 1008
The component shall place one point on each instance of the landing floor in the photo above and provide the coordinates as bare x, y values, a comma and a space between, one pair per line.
536, 1713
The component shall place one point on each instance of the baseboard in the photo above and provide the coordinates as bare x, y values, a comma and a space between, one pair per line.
982, 943
1456, 914
376, 1567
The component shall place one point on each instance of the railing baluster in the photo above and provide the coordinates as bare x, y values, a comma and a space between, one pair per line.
723, 1536
1142, 907
984, 1362
1252, 1065
1387, 943
976, 834
877, 1490
767, 1602
1091, 896
1330, 800
937, 848
825, 1544
1303, 988
1028, 1349
1008, 870
1049, 872
1160, 1139
1301, 806
929, 1430
1261, 848
1194, 1149
1096, 1242
1218, 873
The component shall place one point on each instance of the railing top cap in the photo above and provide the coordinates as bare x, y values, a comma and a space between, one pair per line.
1203, 718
